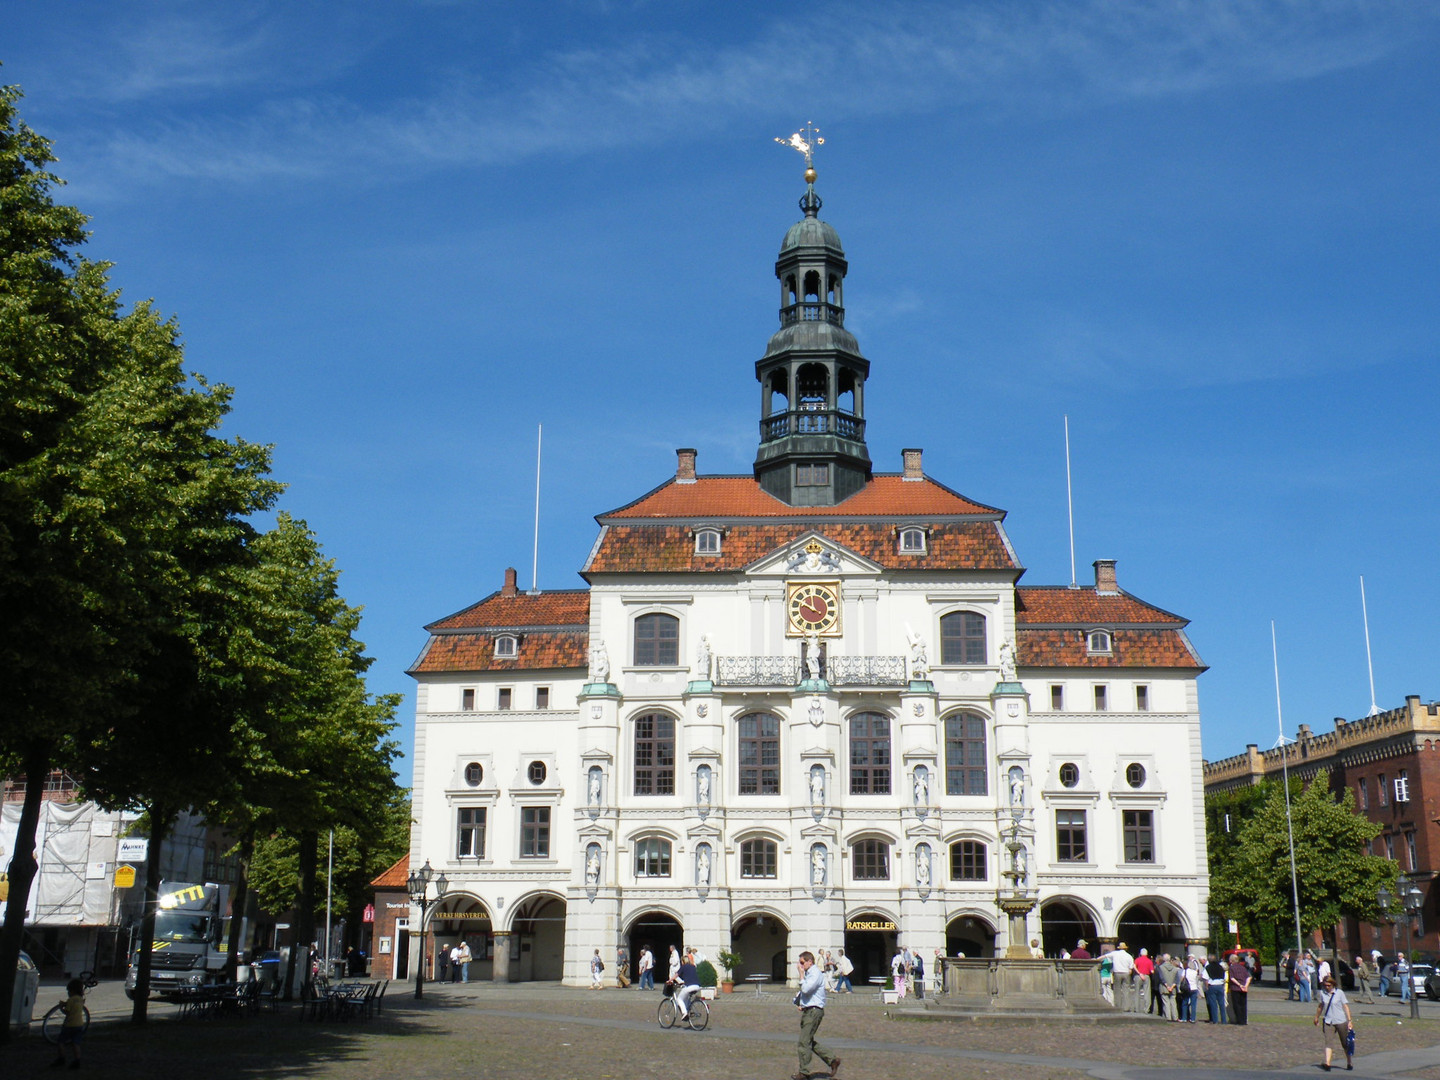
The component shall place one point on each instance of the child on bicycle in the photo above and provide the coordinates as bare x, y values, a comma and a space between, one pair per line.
73, 1029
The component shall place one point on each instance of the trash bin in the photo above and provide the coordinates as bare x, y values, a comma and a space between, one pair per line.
27, 987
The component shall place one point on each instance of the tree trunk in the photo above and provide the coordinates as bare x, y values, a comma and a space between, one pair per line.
307, 855
144, 948
238, 897
23, 864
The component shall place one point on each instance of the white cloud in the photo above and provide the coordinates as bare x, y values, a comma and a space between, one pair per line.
988, 57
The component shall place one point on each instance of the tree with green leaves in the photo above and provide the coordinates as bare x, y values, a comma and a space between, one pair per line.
1337, 879
114, 488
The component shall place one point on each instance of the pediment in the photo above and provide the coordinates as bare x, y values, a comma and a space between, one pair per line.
812, 555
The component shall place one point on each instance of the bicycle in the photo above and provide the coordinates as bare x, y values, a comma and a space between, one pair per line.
55, 1020
698, 1017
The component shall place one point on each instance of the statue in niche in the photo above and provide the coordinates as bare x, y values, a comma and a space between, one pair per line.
817, 786
1017, 785
592, 865
1019, 865
599, 662
594, 786
922, 866
1007, 661
702, 865
702, 785
812, 657
817, 866
922, 786
703, 656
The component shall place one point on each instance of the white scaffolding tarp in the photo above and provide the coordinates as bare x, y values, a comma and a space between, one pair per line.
65, 892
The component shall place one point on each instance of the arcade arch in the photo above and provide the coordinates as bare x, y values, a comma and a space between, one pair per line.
970, 934
1063, 922
869, 943
537, 939
762, 938
1153, 923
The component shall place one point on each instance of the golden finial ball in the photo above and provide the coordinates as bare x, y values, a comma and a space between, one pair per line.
810, 175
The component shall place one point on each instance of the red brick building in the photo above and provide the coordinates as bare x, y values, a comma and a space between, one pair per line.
1391, 763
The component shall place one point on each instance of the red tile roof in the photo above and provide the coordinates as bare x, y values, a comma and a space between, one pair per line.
742, 496
536, 650
396, 877
671, 548
1133, 648
567, 607
1059, 605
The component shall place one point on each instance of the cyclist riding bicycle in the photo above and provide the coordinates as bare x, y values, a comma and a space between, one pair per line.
686, 982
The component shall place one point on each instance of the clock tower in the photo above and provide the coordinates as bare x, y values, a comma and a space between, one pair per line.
812, 376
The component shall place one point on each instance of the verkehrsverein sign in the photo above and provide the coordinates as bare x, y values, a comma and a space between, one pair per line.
869, 924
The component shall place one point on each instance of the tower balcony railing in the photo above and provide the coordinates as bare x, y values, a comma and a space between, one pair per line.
786, 671
812, 311
812, 422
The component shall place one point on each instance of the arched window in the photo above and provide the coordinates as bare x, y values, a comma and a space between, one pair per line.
869, 754
962, 638
870, 860
966, 762
912, 542
652, 857
506, 646
968, 861
759, 746
758, 858
1099, 641
657, 641
707, 542
655, 754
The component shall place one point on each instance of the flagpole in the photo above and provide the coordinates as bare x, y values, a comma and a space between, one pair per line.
1285, 779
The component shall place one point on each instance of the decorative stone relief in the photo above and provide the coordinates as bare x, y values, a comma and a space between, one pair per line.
599, 662
596, 712
919, 659
816, 712
1007, 660
702, 710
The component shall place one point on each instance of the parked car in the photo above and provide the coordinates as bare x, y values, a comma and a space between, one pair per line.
1432, 986
1419, 974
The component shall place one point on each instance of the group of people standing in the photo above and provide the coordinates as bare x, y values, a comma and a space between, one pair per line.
1305, 973
1171, 987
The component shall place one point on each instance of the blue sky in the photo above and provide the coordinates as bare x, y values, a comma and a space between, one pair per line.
409, 232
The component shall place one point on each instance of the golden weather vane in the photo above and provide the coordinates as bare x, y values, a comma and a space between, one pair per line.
805, 140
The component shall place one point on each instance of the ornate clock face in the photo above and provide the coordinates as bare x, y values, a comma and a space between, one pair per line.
814, 608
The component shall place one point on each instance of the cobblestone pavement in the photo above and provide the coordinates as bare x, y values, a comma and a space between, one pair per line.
544, 1031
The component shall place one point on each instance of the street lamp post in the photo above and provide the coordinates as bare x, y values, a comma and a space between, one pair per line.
1412, 900
419, 885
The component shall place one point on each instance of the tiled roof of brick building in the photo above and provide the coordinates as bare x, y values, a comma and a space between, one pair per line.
536, 650
1060, 605
656, 548
567, 607
396, 877
742, 497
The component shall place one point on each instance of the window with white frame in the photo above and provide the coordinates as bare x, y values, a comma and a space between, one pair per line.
506, 646
657, 640
470, 832
707, 542
1070, 835
1057, 697
1102, 697
535, 832
870, 860
1142, 698
1139, 829
542, 697
504, 698
1098, 641
467, 698
912, 541
759, 858
652, 857
962, 638
1402, 788
968, 861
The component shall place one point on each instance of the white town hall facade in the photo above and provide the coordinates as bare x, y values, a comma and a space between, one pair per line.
808, 707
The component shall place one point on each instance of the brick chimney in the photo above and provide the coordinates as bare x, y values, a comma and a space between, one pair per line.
685, 466
1105, 577
510, 588
913, 468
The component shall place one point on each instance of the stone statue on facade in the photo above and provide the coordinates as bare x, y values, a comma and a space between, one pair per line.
922, 786
702, 865
1007, 661
922, 866
702, 785
703, 656
919, 660
1017, 785
817, 786
817, 867
812, 657
594, 786
592, 865
599, 662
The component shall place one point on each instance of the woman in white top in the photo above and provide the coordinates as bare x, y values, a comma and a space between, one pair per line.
1333, 1012
674, 963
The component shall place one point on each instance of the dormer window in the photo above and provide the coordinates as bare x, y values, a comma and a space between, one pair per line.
506, 647
912, 541
1098, 641
707, 542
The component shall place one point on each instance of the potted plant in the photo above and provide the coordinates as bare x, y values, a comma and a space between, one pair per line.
889, 994
705, 972
729, 961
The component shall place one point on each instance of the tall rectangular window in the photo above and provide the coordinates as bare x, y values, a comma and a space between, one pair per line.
505, 698
1142, 698
470, 832
1101, 699
542, 697
657, 641
1381, 792
962, 638
1364, 789
869, 754
1070, 835
1410, 852
467, 698
535, 832
655, 754
1390, 846
965, 759
758, 858
870, 860
968, 861
1139, 835
1402, 787
1057, 698
759, 746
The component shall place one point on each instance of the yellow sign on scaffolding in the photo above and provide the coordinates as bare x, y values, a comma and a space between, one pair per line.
124, 877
